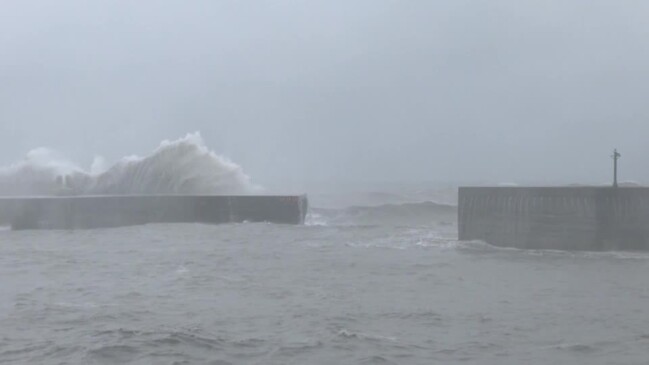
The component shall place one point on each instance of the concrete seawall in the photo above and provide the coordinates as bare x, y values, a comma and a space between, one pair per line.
564, 218
112, 211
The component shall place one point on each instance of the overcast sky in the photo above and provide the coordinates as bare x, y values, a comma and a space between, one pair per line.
336, 90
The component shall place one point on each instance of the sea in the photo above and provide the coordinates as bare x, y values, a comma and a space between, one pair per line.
375, 276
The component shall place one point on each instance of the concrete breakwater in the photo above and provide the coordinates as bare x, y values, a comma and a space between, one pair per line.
78, 212
564, 218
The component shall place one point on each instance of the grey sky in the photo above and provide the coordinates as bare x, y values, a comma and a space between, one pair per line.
342, 90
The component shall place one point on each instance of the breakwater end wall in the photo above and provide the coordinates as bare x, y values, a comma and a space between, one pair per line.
563, 218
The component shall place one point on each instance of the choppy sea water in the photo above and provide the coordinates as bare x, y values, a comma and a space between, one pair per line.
341, 290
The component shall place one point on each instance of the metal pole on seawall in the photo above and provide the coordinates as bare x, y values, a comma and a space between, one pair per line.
615, 157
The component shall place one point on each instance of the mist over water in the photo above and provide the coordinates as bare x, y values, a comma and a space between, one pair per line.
183, 166
378, 110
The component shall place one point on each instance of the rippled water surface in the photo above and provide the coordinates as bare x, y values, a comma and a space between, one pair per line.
275, 294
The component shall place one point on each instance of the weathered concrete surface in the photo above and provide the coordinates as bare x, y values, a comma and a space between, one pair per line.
111, 211
564, 218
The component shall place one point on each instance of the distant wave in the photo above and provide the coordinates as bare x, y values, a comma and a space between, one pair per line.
339, 197
423, 213
422, 207
183, 166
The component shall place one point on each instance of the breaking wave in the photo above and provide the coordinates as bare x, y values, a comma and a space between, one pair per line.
183, 166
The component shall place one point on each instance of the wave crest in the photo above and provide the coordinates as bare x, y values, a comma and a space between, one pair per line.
183, 166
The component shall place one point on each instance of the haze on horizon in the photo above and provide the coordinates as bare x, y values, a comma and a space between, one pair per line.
297, 91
